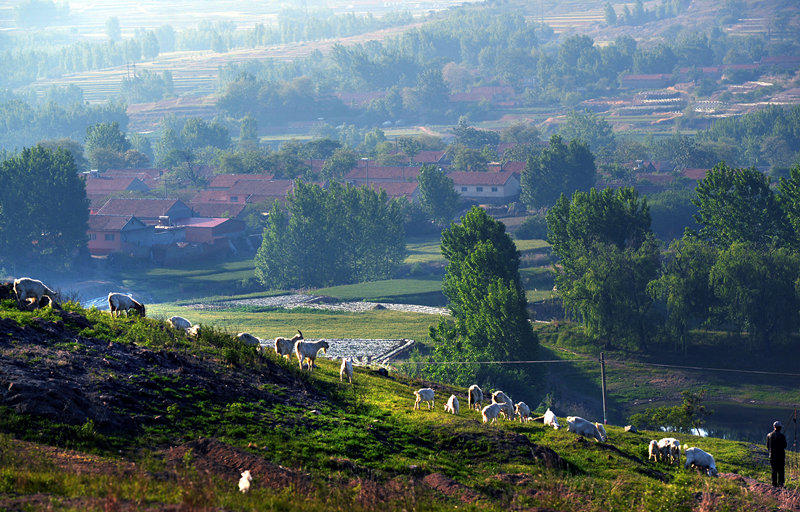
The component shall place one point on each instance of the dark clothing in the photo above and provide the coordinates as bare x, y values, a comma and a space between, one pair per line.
776, 444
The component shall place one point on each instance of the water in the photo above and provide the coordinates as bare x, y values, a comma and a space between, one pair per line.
747, 422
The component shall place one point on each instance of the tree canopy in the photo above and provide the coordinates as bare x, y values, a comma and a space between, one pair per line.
558, 169
337, 235
43, 208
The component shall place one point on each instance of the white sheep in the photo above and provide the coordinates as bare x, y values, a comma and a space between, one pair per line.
653, 452
26, 288
550, 419
346, 370
424, 395
602, 431
244, 482
178, 322
452, 405
490, 412
703, 460
670, 449
507, 405
285, 346
194, 331
248, 339
307, 351
523, 411
474, 397
119, 302
585, 428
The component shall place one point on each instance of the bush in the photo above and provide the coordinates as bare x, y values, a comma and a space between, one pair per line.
533, 228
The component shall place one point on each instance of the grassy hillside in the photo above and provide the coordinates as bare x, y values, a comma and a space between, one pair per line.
123, 414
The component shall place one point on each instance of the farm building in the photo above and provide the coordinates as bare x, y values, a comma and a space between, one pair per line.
149, 211
487, 187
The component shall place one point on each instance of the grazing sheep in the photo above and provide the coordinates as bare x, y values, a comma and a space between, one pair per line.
451, 405
490, 412
585, 428
653, 452
602, 430
244, 482
285, 346
700, 459
194, 331
248, 339
524, 412
550, 419
670, 449
507, 405
346, 370
424, 395
307, 350
178, 322
26, 288
474, 397
118, 302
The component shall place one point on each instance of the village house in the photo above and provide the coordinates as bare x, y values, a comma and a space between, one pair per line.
487, 187
372, 173
150, 211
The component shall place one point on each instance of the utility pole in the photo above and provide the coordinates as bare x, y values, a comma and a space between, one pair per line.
603, 377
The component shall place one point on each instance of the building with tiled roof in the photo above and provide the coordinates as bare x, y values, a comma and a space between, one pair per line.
429, 157
109, 233
219, 209
260, 190
408, 189
382, 174
210, 230
489, 187
111, 185
150, 211
225, 181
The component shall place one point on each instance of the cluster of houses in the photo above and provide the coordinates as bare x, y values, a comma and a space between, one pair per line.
125, 217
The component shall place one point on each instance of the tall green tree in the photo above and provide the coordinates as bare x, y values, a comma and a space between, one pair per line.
738, 205
757, 290
607, 255
43, 208
106, 145
590, 129
343, 160
437, 194
558, 169
489, 317
337, 235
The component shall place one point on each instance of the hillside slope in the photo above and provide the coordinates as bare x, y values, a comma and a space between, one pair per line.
128, 414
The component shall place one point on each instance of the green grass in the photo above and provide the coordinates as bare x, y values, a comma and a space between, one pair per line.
402, 291
382, 324
363, 434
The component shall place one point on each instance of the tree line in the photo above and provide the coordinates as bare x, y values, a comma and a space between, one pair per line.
738, 272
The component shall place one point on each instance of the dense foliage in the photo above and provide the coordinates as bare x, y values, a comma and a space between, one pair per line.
337, 235
43, 208
437, 195
558, 169
607, 256
489, 317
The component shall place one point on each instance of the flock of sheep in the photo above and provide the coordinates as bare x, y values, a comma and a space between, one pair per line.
667, 449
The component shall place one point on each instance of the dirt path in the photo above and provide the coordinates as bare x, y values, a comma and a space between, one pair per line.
319, 302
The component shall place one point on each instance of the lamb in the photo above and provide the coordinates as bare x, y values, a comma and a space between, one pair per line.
703, 460
490, 412
451, 405
248, 339
285, 347
586, 428
550, 419
524, 412
178, 322
26, 288
670, 449
307, 350
346, 370
474, 397
244, 482
507, 405
653, 452
424, 395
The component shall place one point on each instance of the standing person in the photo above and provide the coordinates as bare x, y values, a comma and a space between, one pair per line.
776, 444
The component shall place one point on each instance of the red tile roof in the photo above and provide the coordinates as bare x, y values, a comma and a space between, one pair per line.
228, 180
216, 196
383, 172
272, 188
143, 208
104, 185
200, 222
428, 157
152, 172
402, 189
218, 209
695, 174
480, 178
111, 222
